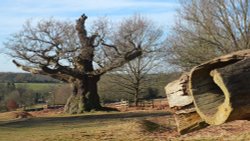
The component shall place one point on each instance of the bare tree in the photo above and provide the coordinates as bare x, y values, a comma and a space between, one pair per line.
60, 94
68, 53
208, 28
132, 77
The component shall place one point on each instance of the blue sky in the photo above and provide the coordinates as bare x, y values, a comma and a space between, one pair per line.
13, 14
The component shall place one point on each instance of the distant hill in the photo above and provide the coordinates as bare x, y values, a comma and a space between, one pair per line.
25, 78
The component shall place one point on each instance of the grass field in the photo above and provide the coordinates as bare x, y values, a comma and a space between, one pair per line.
63, 131
98, 127
115, 126
38, 86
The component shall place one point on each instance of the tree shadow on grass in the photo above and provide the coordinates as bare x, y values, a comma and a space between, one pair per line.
78, 119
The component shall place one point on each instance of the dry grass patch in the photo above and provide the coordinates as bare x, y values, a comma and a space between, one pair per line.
7, 116
238, 130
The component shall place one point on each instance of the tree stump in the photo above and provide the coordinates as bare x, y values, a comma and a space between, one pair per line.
186, 117
221, 88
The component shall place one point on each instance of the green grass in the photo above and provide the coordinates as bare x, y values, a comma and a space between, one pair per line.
37, 86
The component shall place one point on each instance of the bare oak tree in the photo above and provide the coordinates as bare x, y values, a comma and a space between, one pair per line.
68, 53
207, 29
132, 76
133, 79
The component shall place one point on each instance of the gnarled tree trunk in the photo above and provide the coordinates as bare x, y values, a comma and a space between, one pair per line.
84, 96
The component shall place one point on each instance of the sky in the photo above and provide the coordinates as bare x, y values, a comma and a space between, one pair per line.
14, 13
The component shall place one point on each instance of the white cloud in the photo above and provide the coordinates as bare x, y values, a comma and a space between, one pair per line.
55, 7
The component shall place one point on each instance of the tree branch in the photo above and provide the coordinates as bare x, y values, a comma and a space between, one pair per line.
55, 75
119, 61
80, 27
112, 46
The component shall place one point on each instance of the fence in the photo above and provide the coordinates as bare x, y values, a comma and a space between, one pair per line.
152, 104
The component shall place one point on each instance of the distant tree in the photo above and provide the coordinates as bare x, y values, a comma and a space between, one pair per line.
110, 92
11, 86
2, 97
20, 95
68, 53
151, 93
208, 28
27, 97
25, 78
11, 99
132, 76
60, 94
11, 105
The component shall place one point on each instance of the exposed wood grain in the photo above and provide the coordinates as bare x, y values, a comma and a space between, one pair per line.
188, 122
234, 80
176, 92
187, 119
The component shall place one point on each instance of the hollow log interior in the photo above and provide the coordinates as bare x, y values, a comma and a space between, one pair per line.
209, 98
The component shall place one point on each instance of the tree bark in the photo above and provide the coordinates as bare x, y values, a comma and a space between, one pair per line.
136, 97
84, 96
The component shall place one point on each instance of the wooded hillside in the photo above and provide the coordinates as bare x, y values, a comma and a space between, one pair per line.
6, 77
109, 92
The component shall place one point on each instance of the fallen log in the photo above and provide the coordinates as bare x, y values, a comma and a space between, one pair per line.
186, 117
221, 88
214, 92
177, 93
